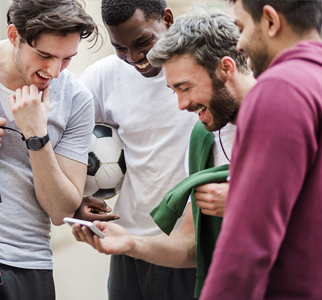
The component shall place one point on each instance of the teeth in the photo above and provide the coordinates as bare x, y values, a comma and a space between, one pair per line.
143, 66
43, 76
199, 110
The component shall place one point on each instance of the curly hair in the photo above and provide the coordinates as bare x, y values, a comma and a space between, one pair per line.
115, 12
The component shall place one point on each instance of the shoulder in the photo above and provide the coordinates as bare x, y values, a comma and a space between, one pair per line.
68, 86
278, 89
104, 67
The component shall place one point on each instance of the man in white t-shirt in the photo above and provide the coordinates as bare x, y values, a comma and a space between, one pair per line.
132, 96
210, 79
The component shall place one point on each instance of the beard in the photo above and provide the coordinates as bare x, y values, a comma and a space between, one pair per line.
258, 53
19, 64
223, 106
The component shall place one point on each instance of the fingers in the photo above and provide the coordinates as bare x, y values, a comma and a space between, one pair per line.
30, 114
3, 122
26, 94
105, 217
83, 234
77, 233
45, 97
97, 203
211, 208
93, 208
211, 198
45, 94
12, 101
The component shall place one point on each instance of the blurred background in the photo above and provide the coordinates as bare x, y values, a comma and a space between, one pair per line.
81, 272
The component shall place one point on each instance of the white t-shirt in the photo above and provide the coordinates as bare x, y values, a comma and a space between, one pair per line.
154, 131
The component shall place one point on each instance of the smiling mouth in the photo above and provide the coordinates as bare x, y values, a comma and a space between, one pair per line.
143, 66
41, 75
199, 110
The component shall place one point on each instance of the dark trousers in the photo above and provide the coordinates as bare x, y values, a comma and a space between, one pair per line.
133, 279
25, 284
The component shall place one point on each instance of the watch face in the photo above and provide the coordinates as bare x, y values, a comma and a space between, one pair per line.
34, 143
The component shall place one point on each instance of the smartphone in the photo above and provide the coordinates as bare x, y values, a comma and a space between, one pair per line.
88, 224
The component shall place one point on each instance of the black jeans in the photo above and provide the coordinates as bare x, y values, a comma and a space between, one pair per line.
133, 279
17, 283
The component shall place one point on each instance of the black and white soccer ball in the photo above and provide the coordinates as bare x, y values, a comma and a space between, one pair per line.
106, 164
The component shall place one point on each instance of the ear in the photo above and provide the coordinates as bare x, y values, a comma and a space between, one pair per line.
226, 68
271, 20
13, 35
168, 17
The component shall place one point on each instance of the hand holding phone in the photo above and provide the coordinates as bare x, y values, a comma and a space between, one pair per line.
88, 224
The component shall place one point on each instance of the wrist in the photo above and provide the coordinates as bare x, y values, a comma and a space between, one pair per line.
35, 143
134, 247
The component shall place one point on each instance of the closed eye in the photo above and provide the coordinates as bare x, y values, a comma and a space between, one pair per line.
44, 56
145, 42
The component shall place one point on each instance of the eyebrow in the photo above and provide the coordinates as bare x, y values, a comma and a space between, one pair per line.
138, 40
49, 54
176, 85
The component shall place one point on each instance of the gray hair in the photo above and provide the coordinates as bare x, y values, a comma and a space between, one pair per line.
206, 36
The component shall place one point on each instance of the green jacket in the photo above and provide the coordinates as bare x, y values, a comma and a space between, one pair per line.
207, 228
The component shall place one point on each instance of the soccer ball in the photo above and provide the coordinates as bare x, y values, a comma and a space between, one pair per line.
106, 164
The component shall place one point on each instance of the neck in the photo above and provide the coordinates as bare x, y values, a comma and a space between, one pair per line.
241, 85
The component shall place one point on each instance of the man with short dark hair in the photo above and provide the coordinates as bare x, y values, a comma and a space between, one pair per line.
131, 95
269, 246
47, 120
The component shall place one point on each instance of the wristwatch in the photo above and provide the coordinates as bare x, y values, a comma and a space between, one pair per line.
35, 143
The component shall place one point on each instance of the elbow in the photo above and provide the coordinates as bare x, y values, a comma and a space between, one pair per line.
57, 221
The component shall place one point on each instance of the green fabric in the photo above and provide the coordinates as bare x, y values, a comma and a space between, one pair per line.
171, 208
207, 228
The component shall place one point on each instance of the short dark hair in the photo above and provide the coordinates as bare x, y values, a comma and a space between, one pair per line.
301, 15
33, 18
115, 12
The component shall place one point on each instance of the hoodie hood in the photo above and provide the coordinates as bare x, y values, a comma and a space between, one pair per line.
306, 50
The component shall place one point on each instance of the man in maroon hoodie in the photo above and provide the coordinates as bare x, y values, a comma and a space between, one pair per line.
270, 244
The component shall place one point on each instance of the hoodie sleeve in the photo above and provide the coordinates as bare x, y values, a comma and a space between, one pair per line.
274, 146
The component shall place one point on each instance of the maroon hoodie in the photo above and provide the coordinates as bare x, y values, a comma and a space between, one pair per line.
270, 245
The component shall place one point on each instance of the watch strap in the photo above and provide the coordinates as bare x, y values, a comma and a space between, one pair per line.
41, 142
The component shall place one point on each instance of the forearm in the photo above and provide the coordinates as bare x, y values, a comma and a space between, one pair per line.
55, 192
177, 250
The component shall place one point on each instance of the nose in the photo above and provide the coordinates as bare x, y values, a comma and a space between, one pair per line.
54, 68
239, 47
183, 102
134, 55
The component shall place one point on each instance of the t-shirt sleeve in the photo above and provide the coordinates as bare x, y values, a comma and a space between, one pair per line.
76, 137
